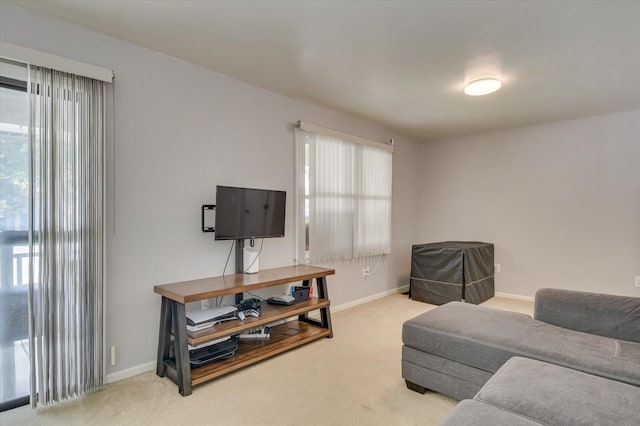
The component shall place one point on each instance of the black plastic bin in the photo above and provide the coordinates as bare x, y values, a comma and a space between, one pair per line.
452, 270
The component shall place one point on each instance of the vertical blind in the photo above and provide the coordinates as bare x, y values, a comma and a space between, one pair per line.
373, 202
343, 198
67, 184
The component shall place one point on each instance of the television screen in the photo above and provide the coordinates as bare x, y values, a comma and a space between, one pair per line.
249, 213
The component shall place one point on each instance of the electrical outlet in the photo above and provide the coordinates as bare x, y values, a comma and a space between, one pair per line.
204, 304
113, 354
365, 271
638, 281
496, 267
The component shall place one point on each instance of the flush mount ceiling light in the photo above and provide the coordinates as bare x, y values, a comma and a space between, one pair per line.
484, 86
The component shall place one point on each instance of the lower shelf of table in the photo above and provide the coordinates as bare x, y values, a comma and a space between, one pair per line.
283, 338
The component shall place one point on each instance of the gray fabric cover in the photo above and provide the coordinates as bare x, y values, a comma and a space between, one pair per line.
470, 412
446, 366
448, 377
601, 314
554, 395
486, 338
452, 271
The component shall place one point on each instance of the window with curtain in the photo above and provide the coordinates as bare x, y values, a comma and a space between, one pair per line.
67, 234
52, 170
343, 196
67, 225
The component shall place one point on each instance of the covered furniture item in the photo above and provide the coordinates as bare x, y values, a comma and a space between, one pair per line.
455, 348
452, 271
528, 392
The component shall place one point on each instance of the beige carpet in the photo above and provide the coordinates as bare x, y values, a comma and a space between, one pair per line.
353, 378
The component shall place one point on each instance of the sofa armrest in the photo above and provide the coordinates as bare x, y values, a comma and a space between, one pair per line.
601, 314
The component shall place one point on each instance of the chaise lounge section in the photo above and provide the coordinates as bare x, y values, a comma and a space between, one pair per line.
456, 348
526, 392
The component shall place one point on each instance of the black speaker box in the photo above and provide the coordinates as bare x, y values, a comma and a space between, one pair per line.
301, 293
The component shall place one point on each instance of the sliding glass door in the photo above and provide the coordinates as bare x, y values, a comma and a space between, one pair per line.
14, 239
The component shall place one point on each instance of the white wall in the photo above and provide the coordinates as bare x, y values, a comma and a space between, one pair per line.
179, 131
561, 202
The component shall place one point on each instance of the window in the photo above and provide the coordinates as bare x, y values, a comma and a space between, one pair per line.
343, 196
14, 236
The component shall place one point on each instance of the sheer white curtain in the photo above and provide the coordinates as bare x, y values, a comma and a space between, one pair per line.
331, 200
373, 207
343, 198
66, 276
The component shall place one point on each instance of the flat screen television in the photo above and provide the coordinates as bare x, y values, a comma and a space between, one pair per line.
243, 213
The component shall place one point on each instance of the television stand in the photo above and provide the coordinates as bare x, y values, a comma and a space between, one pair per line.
291, 334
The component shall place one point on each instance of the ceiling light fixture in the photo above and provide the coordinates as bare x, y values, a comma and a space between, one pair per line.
484, 86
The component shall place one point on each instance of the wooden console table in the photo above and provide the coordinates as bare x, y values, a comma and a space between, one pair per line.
291, 334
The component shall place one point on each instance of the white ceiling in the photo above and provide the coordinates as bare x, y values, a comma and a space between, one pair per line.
399, 63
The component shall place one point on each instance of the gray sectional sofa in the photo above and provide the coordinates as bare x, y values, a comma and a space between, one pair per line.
455, 349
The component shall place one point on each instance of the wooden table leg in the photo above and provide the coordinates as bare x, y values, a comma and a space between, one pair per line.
183, 369
164, 338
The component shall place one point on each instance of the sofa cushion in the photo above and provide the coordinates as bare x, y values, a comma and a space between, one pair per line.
470, 412
554, 395
602, 314
486, 338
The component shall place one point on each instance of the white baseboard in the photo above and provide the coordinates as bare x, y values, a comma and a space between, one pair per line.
130, 372
342, 307
149, 366
514, 296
